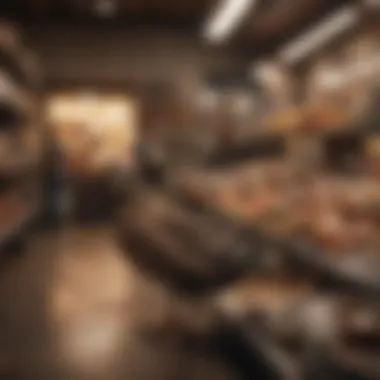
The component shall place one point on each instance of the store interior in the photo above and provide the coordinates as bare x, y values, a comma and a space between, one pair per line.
190, 189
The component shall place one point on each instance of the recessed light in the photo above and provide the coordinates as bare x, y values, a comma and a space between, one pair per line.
105, 8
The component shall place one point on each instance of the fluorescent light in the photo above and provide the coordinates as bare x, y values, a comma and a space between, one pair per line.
339, 22
226, 19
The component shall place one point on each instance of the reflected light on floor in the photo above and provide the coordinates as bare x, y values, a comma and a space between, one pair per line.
91, 344
88, 306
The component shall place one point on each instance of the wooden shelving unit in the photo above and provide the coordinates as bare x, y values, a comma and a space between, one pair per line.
17, 228
280, 145
19, 94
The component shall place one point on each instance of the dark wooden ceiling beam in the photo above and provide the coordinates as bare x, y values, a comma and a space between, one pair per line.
172, 13
285, 15
271, 24
265, 30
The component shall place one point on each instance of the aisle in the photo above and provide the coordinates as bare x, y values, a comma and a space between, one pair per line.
62, 305
69, 310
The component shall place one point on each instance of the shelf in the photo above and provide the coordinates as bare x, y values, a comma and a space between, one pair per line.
274, 144
356, 279
263, 146
17, 228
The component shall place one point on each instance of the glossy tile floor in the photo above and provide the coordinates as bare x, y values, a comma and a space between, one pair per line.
66, 313
61, 305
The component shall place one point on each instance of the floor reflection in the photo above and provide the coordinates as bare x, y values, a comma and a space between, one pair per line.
88, 301
62, 306
69, 309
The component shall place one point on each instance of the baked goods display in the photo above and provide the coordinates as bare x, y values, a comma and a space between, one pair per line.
325, 220
336, 216
284, 120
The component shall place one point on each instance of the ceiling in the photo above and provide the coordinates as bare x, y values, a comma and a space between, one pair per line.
280, 20
270, 23
165, 12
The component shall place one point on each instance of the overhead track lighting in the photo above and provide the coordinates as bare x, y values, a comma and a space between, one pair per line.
341, 21
226, 18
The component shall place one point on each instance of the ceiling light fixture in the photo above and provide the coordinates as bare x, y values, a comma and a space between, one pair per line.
105, 8
331, 27
226, 18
